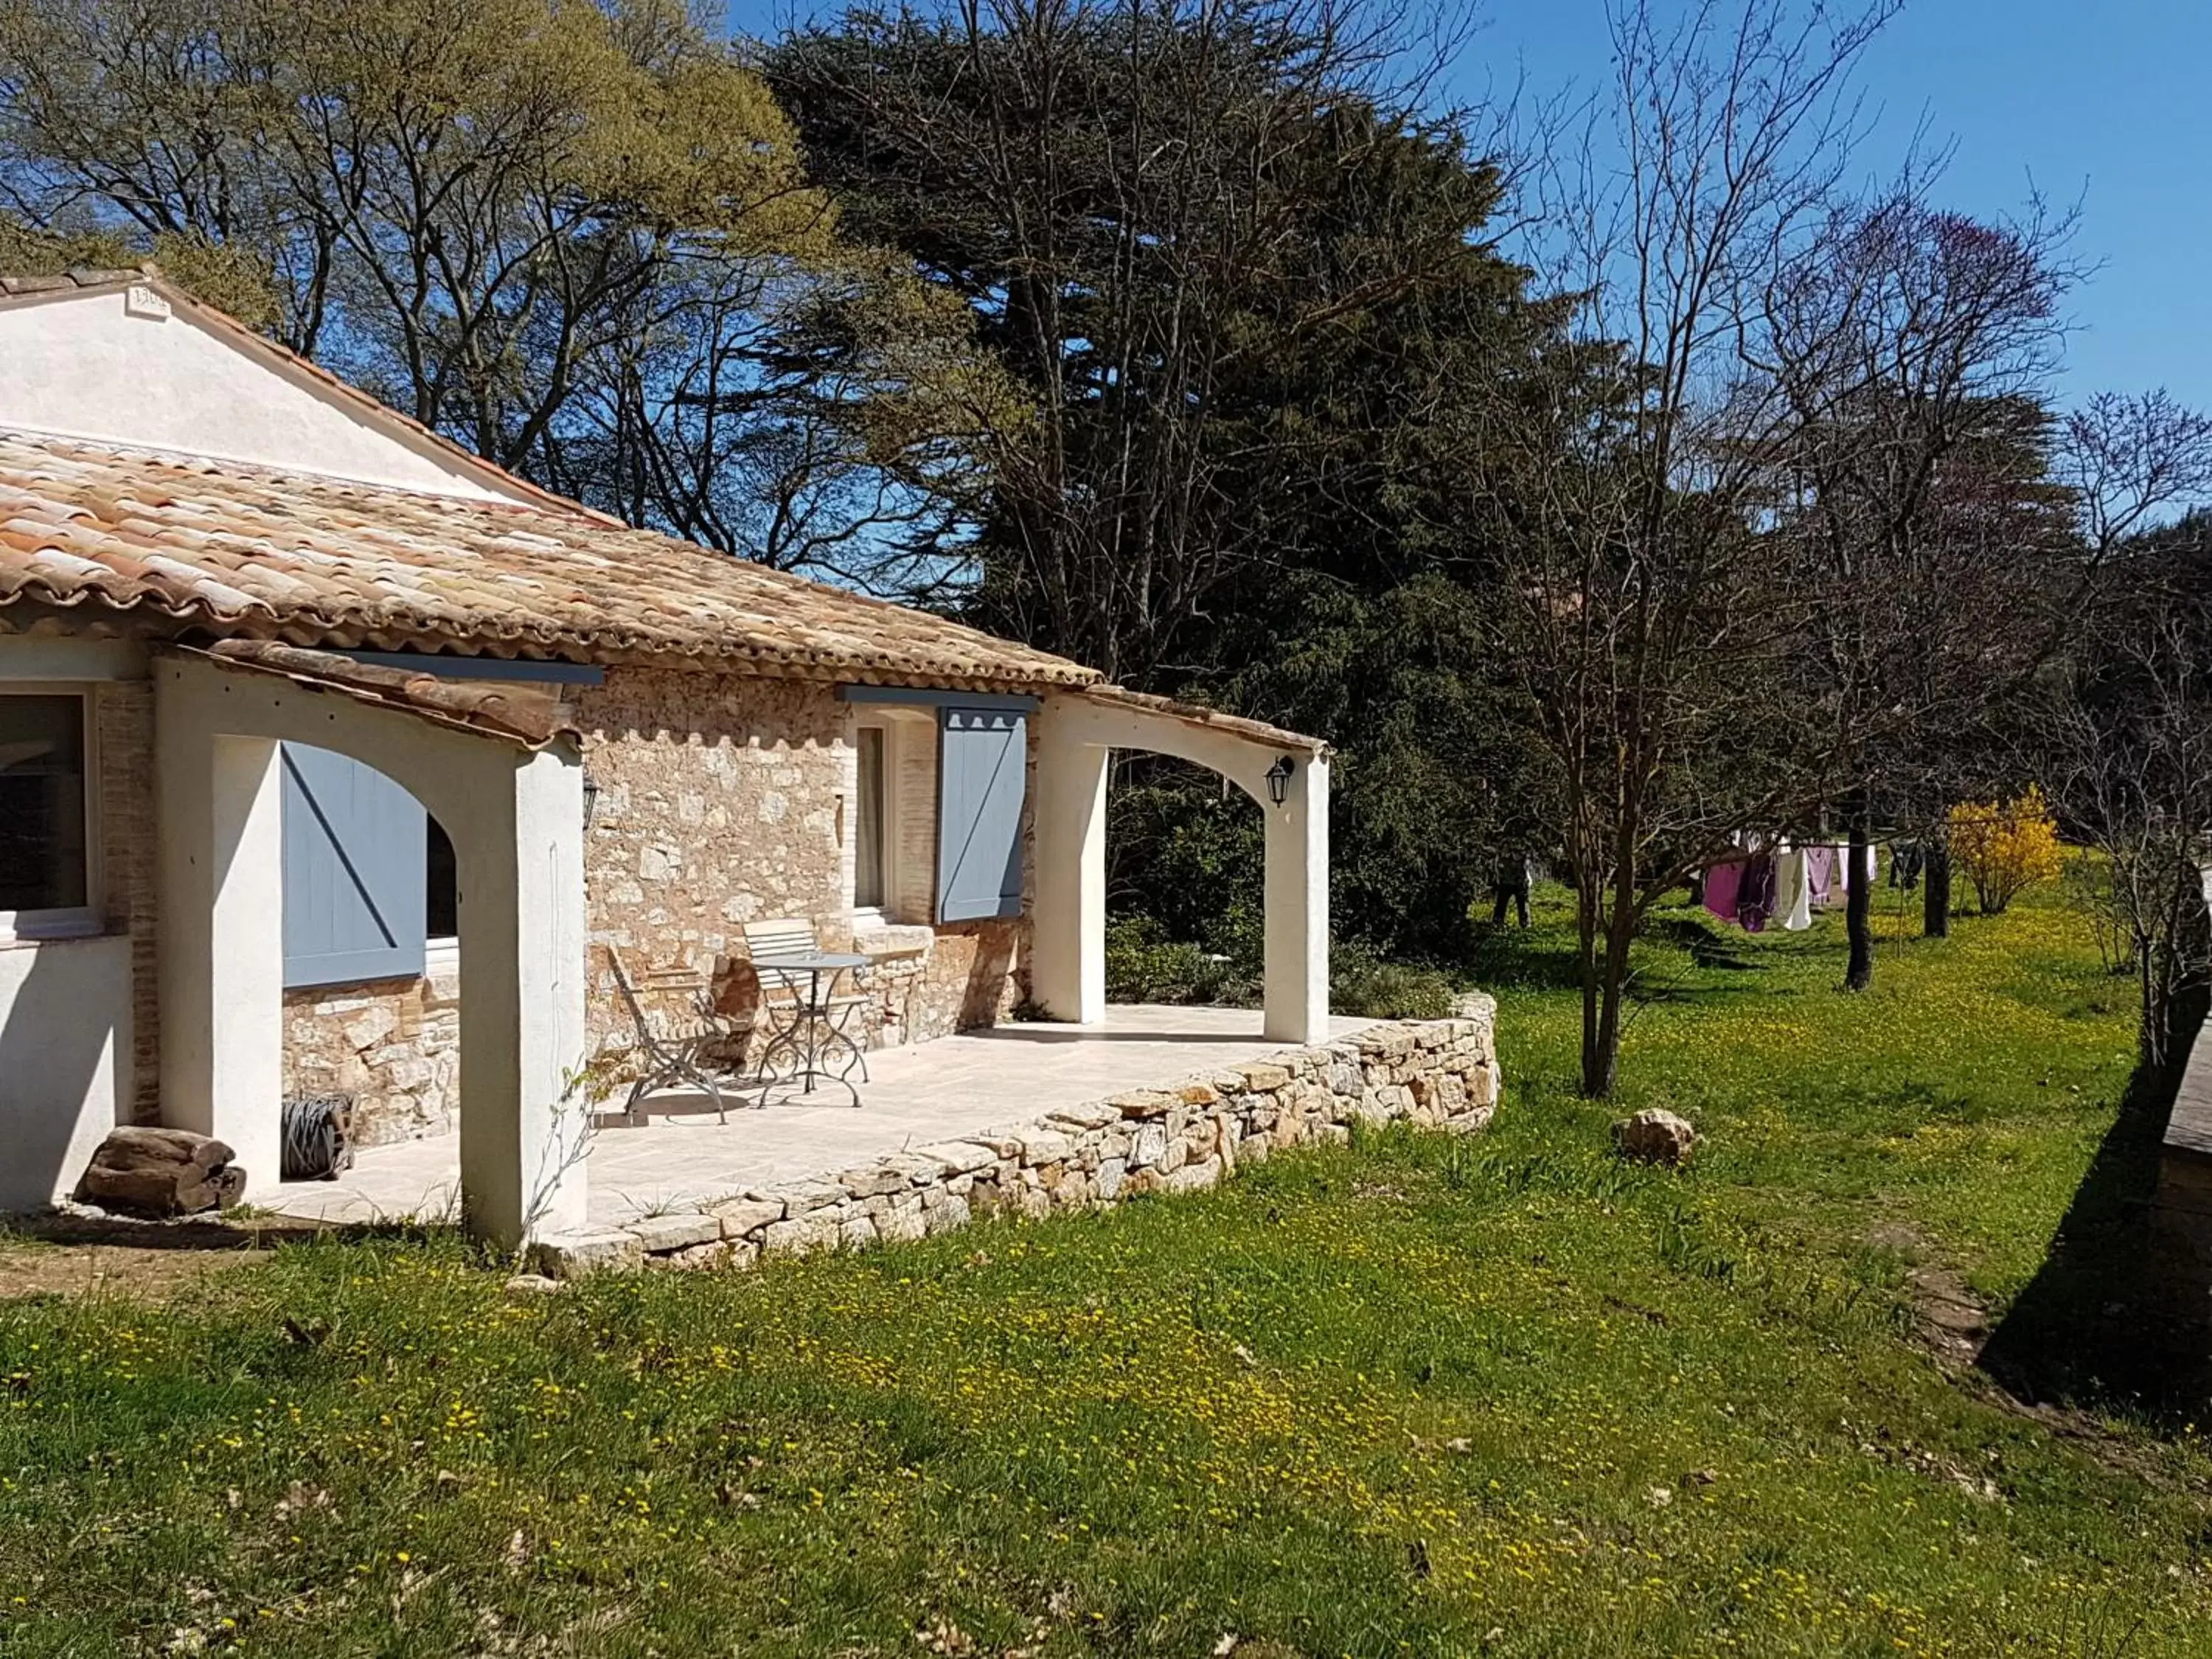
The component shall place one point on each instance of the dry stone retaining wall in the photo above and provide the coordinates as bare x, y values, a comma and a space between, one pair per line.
1439, 1073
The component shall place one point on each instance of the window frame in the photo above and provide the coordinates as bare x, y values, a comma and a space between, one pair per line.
911, 780
88, 919
879, 914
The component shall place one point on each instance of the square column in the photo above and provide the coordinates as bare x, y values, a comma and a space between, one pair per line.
1067, 948
525, 1122
1297, 914
222, 967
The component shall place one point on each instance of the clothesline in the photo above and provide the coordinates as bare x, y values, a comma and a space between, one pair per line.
1754, 888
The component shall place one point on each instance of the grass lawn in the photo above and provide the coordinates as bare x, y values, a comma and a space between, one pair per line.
1426, 1395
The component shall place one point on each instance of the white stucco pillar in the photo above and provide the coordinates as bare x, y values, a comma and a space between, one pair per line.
222, 967
1296, 952
1067, 949
520, 848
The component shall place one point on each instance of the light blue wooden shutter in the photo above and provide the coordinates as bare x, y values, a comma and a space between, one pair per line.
983, 774
356, 882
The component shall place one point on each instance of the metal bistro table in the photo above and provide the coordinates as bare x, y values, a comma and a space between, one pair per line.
813, 1037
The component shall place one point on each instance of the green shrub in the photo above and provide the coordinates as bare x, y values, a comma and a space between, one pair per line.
1143, 965
1366, 986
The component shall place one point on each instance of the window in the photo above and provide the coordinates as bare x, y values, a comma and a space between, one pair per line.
442, 903
46, 878
870, 842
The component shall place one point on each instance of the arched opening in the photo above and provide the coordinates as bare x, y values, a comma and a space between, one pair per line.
513, 814
1286, 774
371, 897
1185, 893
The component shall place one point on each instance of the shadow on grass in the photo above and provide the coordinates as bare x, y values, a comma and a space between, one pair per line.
1538, 960
2095, 1326
244, 1232
1706, 946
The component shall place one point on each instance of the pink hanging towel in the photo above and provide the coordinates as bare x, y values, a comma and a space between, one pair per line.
1722, 882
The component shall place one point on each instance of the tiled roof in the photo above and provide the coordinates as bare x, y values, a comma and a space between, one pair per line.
530, 715
77, 276
193, 544
1260, 732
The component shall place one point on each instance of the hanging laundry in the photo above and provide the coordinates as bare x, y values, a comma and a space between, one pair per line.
1820, 887
1906, 859
1872, 867
1754, 893
1721, 883
1793, 890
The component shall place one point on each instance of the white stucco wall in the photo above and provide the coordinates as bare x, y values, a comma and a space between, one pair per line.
64, 1062
82, 365
65, 1005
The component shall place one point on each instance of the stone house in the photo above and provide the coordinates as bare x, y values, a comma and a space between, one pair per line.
329, 753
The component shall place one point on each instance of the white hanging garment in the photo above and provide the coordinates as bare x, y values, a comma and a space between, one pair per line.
1793, 891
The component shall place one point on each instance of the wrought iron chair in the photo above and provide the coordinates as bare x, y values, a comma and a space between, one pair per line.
677, 1027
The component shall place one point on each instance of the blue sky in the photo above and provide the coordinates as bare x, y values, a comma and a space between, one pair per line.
2101, 103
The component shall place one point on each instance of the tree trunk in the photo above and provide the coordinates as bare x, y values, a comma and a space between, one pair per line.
1936, 890
1588, 901
1858, 905
1604, 979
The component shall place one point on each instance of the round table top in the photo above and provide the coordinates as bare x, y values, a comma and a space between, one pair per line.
814, 962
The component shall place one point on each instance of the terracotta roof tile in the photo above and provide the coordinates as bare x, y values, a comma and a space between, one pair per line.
529, 715
240, 550
1213, 719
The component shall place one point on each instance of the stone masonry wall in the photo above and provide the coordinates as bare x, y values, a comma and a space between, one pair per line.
727, 799
721, 799
1440, 1073
969, 974
394, 1045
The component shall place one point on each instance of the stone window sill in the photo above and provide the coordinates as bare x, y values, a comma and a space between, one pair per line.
893, 939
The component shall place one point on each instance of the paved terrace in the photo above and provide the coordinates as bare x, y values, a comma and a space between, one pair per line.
933, 1091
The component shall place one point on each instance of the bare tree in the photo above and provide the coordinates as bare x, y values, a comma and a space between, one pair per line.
1637, 602
1913, 348
2134, 741
2126, 730
2127, 460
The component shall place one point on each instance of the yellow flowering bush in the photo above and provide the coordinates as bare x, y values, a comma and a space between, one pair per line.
2005, 846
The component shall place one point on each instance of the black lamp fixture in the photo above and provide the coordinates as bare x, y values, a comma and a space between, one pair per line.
591, 799
1279, 779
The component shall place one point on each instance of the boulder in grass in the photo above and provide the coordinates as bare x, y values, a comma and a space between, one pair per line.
1655, 1137
162, 1172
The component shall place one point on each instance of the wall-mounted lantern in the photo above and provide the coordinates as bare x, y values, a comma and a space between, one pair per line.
590, 801
1279, 779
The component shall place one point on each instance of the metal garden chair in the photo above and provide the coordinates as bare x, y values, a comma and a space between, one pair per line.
677, 1031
